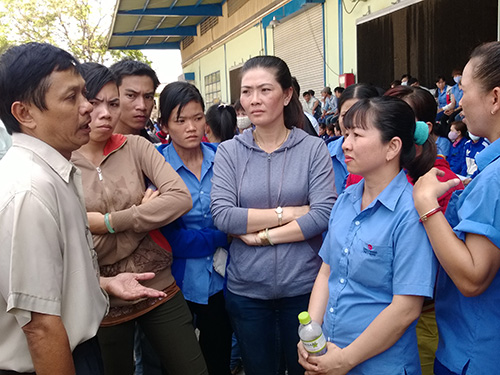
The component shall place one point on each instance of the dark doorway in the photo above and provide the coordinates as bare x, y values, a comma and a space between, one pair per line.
426, 39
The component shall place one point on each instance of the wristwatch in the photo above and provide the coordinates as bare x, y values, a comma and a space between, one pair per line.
279, 212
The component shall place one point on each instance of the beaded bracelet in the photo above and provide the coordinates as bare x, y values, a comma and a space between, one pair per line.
427, 215
108, 224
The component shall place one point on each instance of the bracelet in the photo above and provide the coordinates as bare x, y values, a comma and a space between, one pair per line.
427, 215
108, 224
264, 237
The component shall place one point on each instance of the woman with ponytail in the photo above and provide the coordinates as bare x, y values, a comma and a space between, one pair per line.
467, 241
424, 106
221, 123
378, 264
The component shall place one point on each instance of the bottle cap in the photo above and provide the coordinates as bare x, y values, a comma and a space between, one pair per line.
304, 318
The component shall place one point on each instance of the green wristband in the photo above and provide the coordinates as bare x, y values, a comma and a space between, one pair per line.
108, 224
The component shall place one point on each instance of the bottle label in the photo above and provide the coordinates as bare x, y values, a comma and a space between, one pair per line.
315, 346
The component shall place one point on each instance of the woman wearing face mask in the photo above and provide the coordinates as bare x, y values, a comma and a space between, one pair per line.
467, 241
377, 261
242, 120
456, 155
453, 108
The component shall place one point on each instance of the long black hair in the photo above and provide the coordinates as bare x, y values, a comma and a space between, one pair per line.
424, 106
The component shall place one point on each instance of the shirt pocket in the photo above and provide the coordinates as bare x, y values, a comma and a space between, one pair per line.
371, 265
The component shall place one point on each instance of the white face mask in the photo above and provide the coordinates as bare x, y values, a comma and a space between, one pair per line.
404, 83
452, 135
243, 122
474, 138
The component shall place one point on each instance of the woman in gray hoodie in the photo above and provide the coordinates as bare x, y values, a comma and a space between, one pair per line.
273, 190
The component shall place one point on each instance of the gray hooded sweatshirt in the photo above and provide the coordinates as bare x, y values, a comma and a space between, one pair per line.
298, 173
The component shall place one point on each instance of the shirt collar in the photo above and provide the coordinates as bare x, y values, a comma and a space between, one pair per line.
488, 155
51, 156
176, 162
388, 197
335, 148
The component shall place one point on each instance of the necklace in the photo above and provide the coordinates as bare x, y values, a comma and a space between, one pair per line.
277, 147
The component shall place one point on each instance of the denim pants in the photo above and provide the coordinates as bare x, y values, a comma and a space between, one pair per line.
267, 331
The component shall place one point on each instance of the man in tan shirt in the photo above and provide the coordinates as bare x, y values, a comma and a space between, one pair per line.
51, 297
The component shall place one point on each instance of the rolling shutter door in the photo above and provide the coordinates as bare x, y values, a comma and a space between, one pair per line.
299, 42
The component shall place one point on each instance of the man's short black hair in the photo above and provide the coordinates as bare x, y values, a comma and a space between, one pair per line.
128, 67
24, 77
338, 89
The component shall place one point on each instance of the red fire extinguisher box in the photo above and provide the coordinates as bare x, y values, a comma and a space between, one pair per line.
346, 80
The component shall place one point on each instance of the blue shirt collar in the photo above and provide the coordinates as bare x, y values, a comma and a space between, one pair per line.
176, 162
388, 197
335, 148
488, 155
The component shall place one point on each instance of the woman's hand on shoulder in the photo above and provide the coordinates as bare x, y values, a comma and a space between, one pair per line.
428, 189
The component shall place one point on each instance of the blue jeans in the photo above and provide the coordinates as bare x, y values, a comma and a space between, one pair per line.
267, 332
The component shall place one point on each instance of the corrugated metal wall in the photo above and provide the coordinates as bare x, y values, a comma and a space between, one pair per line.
299, 42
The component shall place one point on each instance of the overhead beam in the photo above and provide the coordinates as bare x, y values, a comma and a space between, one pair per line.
169, 45
166, 31
200, 11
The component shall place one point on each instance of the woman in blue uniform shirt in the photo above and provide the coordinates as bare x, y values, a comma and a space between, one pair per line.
467, 245
377, 261
194, 238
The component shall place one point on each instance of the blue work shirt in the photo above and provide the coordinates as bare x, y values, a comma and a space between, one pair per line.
193, 237
456, 158
338, 161
443, 146
373, 255
457, 93
469, 327
442, 98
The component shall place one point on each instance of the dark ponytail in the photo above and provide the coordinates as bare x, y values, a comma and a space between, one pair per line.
424, 106
222, 121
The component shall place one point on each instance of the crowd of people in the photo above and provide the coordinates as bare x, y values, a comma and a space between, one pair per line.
177, 246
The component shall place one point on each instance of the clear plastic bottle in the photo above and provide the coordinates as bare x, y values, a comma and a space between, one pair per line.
311, 335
